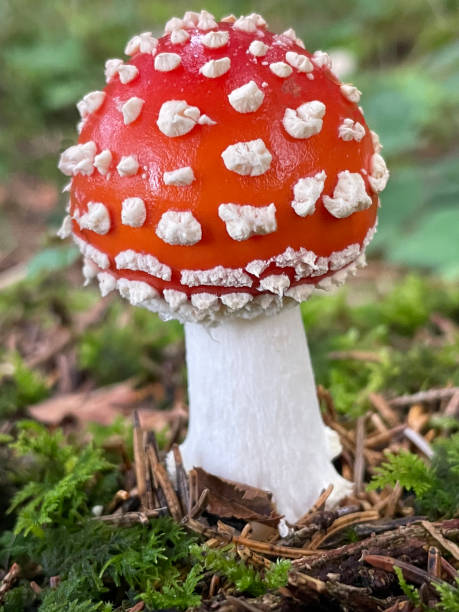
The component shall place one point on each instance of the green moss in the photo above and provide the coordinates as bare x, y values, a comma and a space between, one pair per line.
245, 578
56, 478
436, 486
449, 597
20, 387
116, 350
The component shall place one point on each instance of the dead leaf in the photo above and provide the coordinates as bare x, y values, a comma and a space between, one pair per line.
157, 420
104, 405
99, 406
32, 194
234, 499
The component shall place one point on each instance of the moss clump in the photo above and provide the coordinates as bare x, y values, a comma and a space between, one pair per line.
436, 486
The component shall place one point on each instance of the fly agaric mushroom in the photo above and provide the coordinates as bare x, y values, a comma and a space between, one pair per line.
222, 176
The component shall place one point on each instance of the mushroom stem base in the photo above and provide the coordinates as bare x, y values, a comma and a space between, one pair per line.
254, 413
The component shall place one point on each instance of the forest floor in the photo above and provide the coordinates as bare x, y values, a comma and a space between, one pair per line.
93, 395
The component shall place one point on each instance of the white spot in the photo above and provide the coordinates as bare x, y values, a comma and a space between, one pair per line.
165, 62
305, 121
257, 266
107, 283
322, 60
111, 68
217, 277
128, 166
300, 293
306, 192
137, 292
244, 221
349, 196
298, 61
102, 161
344, 62
179, 228
174, 298
246, 99
65, 229
320, 267
281, 69
258, 48
131, 109
229, 19
269, 303
215, 68
206, 21
90, 103
178, 37
249, 23
264, 84
179, 177
89, 271
302, 260
375, 140
290, 33
96, 219
127, 73
78, 159
205, 120
215, 40
191, 19
177, 117
173, 24
250, 158
99, 258
339, 259
236, 301
67, 187
379, 173
351, 130
326, 284
140, 262
142, 43
203, 301
351, 93
275, 283
133, 212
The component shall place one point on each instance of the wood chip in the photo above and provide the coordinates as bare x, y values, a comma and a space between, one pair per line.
359, 463
452, 408
162, 480
384, 409
9, 579
433, 395
451, 547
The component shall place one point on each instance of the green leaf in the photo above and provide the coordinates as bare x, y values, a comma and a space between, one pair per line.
401, 201
406, 468
433, 243
52, 259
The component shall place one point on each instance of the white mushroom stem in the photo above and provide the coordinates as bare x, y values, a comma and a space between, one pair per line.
254, 413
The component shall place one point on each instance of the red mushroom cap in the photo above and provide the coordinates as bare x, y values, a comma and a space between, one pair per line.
223, 170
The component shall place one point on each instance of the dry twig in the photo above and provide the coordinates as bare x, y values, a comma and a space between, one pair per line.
9, 580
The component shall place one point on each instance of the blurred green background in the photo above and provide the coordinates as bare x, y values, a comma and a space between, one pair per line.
403, 55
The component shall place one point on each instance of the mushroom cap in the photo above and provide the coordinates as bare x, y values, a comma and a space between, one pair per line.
224, 170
